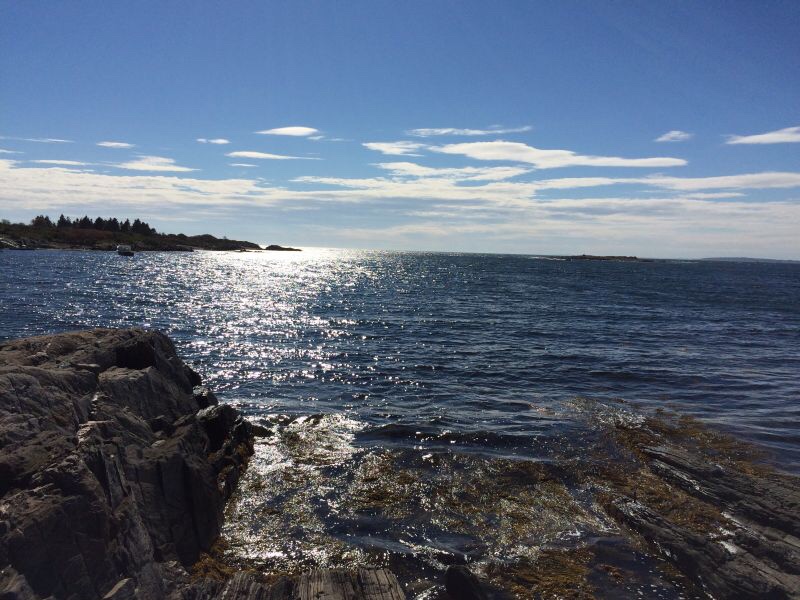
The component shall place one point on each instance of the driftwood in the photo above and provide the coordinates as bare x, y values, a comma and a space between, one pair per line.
318, 584
336, 584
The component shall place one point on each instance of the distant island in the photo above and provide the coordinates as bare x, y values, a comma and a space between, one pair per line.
595, 257
106, 234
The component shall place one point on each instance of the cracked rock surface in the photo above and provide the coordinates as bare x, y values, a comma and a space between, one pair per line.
114, 466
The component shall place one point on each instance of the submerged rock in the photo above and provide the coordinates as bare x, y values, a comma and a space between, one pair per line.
461, 583
112, 482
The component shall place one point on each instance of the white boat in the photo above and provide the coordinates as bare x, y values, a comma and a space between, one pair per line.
124, 250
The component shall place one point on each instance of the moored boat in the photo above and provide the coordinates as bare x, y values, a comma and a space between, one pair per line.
124, 250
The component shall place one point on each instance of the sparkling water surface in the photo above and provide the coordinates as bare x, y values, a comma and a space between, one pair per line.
366, 363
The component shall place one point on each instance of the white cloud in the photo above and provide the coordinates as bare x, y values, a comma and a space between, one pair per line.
37, 140
248, 165
661, 226
72, 163
9, 151
781, 136
548, 159
265, 155
294, 131
395, 148
153, 163
767, 180
409, 169
713, 195
115, 144
39, 188
218, 141
429, 132
483, 213
745, 181
675, 136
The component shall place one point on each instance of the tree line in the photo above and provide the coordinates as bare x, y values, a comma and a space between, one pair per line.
113, 224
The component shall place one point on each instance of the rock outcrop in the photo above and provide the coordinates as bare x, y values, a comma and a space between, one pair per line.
759, 556
114, 466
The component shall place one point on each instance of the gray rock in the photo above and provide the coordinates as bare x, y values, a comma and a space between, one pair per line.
761, 559
111, 483
115, 467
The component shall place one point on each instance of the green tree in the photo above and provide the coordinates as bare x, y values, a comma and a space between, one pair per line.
42, 222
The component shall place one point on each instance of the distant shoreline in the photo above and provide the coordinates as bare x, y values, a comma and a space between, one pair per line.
106, 235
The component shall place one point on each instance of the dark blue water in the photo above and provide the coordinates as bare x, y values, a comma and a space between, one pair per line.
463, 343
358, 356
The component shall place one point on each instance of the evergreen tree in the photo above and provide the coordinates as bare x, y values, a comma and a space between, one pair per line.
42, 221
64, 222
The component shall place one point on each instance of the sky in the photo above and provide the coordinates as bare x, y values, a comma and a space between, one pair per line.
668, 129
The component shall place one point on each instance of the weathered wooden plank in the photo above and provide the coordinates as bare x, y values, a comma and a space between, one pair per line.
338, 584
379, 584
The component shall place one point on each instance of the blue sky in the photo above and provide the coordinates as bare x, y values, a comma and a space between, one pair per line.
467, 126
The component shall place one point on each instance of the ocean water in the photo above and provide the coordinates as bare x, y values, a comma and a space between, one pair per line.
395, 385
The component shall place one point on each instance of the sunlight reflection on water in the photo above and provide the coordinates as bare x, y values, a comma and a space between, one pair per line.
395, 385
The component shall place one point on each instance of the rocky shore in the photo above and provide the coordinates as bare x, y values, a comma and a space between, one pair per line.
116, 466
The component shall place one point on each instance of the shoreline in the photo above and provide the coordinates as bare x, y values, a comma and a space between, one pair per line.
131, 454
19, 236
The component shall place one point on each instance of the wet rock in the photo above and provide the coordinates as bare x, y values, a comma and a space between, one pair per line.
767, 501
204, 397
112, 484
722, 572
462, 584
728, 524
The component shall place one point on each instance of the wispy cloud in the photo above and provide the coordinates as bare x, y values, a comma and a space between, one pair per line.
115, 144
675, 136
548, 159
37, 140
218, 141
762, 181
664, 226
153, 163
681, 220
395, 148
781, 136
713, 195
247, 165
294, 131
434, 131
409, 169
66, 163
265, 155
2, 151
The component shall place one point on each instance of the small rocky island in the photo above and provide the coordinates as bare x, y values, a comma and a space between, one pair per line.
106, 234
609, 257
116, 466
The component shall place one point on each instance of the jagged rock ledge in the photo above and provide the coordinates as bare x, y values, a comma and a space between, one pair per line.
115, 466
